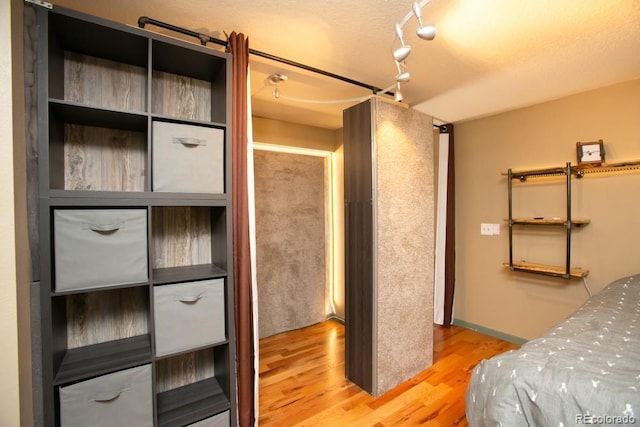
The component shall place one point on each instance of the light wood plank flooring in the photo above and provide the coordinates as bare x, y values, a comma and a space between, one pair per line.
302, 381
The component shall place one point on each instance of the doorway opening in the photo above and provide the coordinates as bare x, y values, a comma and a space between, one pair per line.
299, 237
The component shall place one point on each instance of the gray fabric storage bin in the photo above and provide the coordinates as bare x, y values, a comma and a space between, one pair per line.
123, 398
187, 158
99, 247
188, 315
220, 420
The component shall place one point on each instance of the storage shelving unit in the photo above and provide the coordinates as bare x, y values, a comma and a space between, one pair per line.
564, 271
102, 89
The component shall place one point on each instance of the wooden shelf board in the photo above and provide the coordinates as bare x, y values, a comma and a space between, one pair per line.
536, 172
98, 359
191, 403
192, 350
549, 270
186, 274
98, 289
607, 167
140, 198
549, 221
99, 116
576, 169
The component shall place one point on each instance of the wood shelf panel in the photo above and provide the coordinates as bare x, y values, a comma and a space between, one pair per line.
549, 270
98, 116
181, 236
128, 198
191, 403
549, 221
576, 169
98, 81
98, 359
537, 172
186, 274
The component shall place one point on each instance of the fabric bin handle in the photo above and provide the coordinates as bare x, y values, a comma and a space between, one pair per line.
189, 299
109, 396
189, 142
106, 228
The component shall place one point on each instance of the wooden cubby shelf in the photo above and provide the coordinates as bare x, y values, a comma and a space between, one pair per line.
84, 362
191, 403
188, 273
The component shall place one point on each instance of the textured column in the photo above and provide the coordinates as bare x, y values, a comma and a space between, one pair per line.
404, 243
389, 241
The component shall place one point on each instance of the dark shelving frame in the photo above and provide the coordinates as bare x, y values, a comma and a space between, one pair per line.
61, 30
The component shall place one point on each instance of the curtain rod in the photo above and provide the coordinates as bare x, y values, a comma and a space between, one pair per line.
204, 39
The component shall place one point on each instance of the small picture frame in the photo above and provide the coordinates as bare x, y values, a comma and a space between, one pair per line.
591, 153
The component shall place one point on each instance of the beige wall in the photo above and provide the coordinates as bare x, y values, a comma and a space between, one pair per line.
277, 132
525, 305
15, 358
9, 385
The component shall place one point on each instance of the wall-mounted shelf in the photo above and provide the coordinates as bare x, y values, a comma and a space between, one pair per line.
576, 170
565, 271
549, 270
549, 221
568, 223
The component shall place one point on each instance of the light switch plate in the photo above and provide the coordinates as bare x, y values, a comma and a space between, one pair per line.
489, 229
486, 229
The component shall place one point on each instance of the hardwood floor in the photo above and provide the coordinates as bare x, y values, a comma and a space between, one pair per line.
302, 381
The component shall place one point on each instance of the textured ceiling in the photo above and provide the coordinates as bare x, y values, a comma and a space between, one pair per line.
489, 56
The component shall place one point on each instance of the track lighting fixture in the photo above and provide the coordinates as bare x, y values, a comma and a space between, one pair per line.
425, 32
400, 54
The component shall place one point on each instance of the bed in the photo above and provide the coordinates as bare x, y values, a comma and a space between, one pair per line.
585, 370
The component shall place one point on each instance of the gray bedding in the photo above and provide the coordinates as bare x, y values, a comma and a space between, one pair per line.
584, 371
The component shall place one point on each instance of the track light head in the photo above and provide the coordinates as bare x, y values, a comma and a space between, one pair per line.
426, 32
403, 75
401, 53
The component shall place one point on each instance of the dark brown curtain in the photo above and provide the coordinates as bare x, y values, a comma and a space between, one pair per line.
239, 48
450, 241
